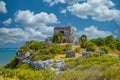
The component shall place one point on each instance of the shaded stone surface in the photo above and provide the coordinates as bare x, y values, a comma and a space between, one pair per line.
70, 53
58, 65
85, 53
41, 64
21, 55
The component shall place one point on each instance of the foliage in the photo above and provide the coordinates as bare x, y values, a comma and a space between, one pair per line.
104, 48
88, 61
58, 37
113, 72
118, 45
83, 41
57, 49
13, 63
77, 50
68, 47
95, 67
42, 57
90, 46
30, 74
98, 41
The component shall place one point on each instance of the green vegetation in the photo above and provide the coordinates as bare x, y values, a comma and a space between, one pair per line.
83, 41
58, 37
95, 66
90, 47
68, 47
77, 50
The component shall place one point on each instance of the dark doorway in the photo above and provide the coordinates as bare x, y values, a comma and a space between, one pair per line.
62, 32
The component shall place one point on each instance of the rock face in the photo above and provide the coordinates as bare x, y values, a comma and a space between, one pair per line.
41, 64
70, 53
85, 53
22, 56
58, 65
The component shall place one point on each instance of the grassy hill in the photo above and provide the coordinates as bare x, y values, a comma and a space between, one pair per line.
95, 66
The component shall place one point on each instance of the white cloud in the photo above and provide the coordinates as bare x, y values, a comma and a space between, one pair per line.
16, 35
7, 22
3, 7
93, 32
117, 19
100, 10
34, 27
53, 2
28, 18
63, 11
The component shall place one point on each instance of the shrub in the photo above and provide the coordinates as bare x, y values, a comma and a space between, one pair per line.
57, 49
104, 48
77, 50
58, 37
42, 57
83, 41
13, 63
90, 46
68, 47
113, 72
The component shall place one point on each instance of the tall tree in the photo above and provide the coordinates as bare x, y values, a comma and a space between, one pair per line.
83, 41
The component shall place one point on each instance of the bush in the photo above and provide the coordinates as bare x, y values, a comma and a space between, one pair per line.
13, 63
104, 48
90, 46
77, 50
57, 49
42, 57
68, 47
29, 74
113, 72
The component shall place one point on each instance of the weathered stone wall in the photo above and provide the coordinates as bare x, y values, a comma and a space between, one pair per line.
68, 32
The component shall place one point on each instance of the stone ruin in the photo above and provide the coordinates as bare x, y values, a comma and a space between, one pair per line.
68, 32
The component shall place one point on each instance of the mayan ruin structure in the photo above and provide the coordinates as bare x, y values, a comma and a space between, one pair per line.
68, 32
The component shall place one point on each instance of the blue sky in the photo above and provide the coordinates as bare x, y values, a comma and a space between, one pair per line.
23, 20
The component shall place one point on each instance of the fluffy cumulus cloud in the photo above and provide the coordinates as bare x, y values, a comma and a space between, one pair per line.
7, 22
13, 35
3, 7
34, 27
28, 18
100, 10
93, 32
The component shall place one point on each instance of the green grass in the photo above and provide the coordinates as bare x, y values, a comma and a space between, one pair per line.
93, 67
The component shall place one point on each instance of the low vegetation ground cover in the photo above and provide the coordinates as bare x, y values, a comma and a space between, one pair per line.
95, 66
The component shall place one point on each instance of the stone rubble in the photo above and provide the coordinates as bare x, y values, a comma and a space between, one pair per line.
57, 65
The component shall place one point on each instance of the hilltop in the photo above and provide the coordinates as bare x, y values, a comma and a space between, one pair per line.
95, 59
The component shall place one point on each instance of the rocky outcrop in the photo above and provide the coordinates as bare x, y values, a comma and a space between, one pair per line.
41, 64
70, 53
57, 65
22, 56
